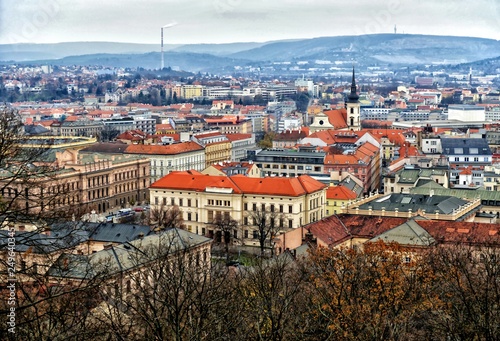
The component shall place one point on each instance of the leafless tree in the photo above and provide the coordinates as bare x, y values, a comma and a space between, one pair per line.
226, 226
267, 224
164, 217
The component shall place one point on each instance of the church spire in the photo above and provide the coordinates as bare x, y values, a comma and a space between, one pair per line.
353, 96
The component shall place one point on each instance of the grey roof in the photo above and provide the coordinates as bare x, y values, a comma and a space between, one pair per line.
350, 184
460, 193
408, 233
415, 202
408, 176
43, 243
34, 129
465, 146
104, 232
126, 256
291, 153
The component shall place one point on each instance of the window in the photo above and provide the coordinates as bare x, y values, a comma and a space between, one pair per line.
246, 233
290, 209
254, 207
189, 216
189, 202
245, 206
255, 234
172, 201
180, 202
281, 208
263, 207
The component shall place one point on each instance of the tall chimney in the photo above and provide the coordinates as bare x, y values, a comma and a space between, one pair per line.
161, 48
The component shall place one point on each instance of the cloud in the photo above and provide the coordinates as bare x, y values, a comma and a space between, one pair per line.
219, 21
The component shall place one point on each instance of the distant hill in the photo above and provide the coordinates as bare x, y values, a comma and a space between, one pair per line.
193, 62
26, 52
376, 49
388, 48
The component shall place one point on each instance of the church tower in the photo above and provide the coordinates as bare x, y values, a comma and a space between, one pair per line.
353, 107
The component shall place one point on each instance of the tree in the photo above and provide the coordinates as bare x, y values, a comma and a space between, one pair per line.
164, 217
267, 141
372, 293
226, 226
468, 287
272, 292
266, 224
176, 294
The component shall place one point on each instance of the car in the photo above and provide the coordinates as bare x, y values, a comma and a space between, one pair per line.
138, 209
147, 207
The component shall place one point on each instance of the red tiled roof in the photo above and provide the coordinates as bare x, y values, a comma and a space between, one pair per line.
335, 229
462, 232
278, 186
340, 193
194, 181
337, 118
237, 136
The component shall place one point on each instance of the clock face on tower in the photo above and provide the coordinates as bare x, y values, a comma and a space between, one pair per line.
321, 122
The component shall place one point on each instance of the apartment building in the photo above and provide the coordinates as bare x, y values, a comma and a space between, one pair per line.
83, 181
167, 158
288, 162
296, 201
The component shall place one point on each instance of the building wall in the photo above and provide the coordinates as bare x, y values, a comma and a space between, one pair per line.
200, 208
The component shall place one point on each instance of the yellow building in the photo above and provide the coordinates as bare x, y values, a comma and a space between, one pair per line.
191, 91
338, 197
201, 198
217, 152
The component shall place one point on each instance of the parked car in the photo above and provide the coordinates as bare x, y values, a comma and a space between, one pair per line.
138, 209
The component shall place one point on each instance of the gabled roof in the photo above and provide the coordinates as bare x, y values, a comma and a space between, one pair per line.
195, 181
127, 256
340, 193
336, 229
279, 186
409, 233
337, 118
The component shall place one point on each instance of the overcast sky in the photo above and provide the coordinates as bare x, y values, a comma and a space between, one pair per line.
224, 21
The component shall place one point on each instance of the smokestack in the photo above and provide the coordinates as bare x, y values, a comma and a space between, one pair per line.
162, 49
162, 53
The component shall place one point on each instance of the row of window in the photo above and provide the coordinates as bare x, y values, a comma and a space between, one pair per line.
272, 208
126, 175
475, 159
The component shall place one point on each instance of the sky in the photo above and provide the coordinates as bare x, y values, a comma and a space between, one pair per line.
227, 21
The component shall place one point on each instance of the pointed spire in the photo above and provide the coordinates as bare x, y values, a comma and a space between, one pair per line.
353, 96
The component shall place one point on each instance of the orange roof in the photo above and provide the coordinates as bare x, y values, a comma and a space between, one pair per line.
337, 118
340, 193
238, 136
194, 181
466, 171
292, 187
176, 148
279, 186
